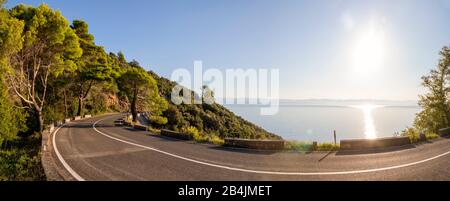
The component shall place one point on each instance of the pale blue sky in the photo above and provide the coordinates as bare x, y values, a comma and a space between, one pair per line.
313, 43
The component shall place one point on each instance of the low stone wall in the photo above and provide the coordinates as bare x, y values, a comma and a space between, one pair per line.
444, 132
77, 118
118, 122
87, 116
374, 143
140, 127
255, 144
174, 134
126, 123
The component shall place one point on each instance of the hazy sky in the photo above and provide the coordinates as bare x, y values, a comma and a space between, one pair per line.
324, 49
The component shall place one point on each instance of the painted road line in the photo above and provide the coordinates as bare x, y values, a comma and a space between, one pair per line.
61, 159
268, 172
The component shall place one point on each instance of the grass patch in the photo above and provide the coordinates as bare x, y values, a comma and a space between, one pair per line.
302, 146
214, 139
154, 130
203, 138
299, 146
327, 147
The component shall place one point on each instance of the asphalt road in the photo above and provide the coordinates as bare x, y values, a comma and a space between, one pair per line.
95, 149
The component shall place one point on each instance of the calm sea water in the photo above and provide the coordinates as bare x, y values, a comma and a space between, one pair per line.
315, 120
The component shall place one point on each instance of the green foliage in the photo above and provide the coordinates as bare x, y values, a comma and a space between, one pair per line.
12, 119
49, 31
56, 71
327, 147
192, 131
298, 146
435, 104
92, 66
142, 91
46, 49
159, 120
20, 161
308, 146
414, 134
214, 139
207, 118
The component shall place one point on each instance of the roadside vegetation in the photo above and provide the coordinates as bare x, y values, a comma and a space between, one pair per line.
52, 69
435, 103
304, 147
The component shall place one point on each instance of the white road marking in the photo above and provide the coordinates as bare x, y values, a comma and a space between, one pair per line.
61, 159
268, 172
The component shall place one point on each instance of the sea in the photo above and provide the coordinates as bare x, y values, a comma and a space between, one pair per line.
318, 119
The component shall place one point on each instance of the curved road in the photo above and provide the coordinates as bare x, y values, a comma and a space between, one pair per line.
95, 149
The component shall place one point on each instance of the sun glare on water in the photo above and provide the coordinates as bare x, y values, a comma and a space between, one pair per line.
370, 131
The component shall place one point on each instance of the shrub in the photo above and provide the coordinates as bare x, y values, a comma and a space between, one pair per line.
192, 131
216, 140
18, 165
158, 120
412, 133
327, 147
298, 146
431, 136
21, 161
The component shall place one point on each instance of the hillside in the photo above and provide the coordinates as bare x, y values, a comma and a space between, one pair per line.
208, 119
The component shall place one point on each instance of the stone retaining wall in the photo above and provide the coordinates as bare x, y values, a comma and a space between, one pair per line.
255, 144
444, 132
374, 143
140, 127
174, 134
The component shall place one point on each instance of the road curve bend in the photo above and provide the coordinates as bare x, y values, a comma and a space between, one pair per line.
95, 149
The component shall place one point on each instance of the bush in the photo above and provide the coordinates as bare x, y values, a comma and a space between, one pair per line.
158, 120
298, 146
327, 147
21, 160
193, 132
431, 136
17, 165
216, 140
412, 133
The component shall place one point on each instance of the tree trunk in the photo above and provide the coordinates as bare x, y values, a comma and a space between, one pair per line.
133, 109
66, 113
133, 105
80, 106
40, 117
82, 96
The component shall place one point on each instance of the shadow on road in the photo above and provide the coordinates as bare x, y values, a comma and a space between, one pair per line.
326, 155
243, 150
87, 125
165, 138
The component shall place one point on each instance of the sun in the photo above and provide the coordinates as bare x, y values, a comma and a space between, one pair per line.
369, 51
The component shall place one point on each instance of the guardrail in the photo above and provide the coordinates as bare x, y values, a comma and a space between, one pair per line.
177, 135
51, 169
358, 144
444, 131
255, 144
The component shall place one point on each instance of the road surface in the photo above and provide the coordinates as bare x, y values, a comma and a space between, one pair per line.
95, 149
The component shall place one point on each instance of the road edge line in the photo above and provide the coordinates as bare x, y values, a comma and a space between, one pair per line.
268, 172
61, 159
